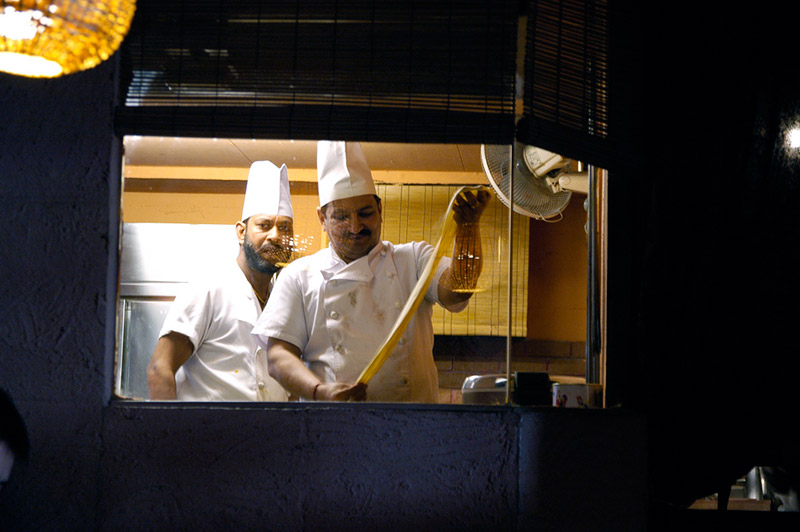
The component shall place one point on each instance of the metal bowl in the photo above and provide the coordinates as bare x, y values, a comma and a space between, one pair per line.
484, 390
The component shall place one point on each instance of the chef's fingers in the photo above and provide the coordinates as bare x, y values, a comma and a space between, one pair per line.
484, 197
469, 197
333, 391
468, 207
359, 392
348, 392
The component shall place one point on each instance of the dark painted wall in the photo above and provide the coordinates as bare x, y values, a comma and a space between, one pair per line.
308, 469
703, 287
708, 275
98, 465
55, 151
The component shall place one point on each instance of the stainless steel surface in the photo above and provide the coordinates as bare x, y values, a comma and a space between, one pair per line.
158, 257
484, 390
593, 330
754, 485
157, 260
140, 322
510, 309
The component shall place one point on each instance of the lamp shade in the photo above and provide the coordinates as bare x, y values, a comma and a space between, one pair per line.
49, 38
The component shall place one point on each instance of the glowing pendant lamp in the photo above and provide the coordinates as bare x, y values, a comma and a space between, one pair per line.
50, 38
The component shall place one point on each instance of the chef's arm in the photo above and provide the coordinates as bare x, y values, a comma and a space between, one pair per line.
286, 367
458, 282
171, 352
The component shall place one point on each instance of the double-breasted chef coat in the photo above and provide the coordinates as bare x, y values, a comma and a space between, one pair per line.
218, 315
339, 314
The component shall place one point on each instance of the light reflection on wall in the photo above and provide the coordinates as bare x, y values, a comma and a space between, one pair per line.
794, 138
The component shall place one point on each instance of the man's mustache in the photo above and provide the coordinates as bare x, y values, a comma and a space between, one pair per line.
274, 249
266, 246
363, 232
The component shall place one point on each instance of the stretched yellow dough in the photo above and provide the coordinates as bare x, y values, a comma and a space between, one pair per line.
442, 245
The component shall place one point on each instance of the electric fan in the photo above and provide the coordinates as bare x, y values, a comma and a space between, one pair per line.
543, 181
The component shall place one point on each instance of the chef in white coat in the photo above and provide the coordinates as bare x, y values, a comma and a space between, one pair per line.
205, 350
330, 312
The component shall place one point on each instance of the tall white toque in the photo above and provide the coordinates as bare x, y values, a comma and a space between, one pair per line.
267, 191
342, 171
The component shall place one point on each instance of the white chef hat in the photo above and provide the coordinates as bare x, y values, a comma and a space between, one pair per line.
342, 171
267, 191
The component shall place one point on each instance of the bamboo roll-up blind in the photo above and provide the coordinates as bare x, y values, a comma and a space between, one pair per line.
414, 212
566, 98
369, 70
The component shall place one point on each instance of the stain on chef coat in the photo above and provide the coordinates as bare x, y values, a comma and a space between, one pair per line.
362, 302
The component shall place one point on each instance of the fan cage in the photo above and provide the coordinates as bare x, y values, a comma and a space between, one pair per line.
533, 197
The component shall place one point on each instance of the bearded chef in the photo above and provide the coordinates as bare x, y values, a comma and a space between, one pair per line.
205, 350
330, 312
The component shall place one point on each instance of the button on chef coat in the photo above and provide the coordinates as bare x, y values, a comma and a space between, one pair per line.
218, 315
339, 314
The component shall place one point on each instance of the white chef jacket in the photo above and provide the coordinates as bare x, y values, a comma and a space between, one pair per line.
339, 315
218, 314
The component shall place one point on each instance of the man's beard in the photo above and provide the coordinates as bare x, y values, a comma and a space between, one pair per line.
256, 261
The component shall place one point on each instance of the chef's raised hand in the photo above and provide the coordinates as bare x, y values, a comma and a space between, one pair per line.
469, 206
459, 281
